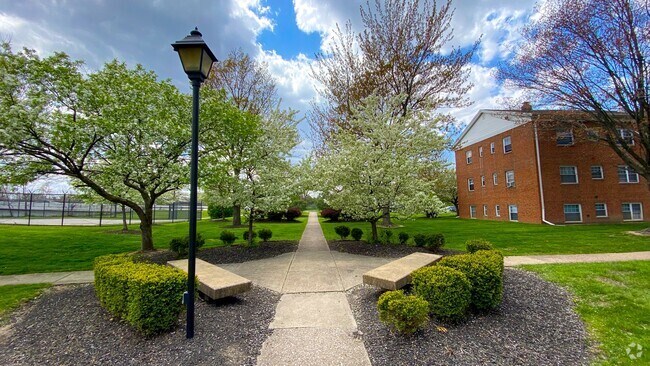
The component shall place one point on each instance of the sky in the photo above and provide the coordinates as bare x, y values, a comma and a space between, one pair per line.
285, 34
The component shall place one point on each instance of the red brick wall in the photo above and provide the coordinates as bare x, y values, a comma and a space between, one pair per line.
583, 154
521, 159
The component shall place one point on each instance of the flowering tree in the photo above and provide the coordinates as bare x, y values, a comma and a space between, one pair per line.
379, 162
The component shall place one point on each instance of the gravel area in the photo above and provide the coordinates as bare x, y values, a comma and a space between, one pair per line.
231, 254
67, 326
381, 250
535, 325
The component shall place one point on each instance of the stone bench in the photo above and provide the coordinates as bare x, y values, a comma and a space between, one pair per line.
215, 282
397, 274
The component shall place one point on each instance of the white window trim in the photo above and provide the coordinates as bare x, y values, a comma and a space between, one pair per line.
480, 151
482, 181
469, 186
620, 135
631, 212
510, 184
628, 172
468, 157
504, 144
579, 211
606, 211
495, 178
492, 148
575, 170
510, 212
602, 172
485, 210
497, 210
470, 211
570, 132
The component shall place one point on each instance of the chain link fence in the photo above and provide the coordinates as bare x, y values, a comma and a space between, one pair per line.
70, 209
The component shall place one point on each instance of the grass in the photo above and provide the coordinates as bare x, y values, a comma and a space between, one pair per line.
34, 249
12, 296
517, 238
613, 299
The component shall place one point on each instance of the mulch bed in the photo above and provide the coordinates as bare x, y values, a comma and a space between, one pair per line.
535, 325
231, 254
381, 250
67, 326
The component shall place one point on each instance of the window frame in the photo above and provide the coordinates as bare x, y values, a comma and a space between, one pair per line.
604, 208
470, 184
482, 181
492, 148
628, 173
510, 184
472, 211
497, 210
510, 212
480, 151
629, 204
485, 210
509, 138
621, 134
600, 169
568, 133
468, 157
575, 173
579, 212
495, 178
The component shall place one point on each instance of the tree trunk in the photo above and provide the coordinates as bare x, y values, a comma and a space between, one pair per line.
125, 227
250, 228
455, 203
146, 224
236, 215
374, 236
385, 220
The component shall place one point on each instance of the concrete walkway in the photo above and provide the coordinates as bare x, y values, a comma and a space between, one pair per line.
576, 258
313, 323
55, 278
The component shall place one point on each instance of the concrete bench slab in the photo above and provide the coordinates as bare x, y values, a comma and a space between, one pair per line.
215, 282
397, 274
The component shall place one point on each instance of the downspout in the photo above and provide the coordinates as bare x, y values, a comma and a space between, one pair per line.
539, 175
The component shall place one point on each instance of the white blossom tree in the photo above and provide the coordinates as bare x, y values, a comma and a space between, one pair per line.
378, 163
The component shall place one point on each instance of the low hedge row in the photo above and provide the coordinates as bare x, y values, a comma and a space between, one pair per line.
146, 296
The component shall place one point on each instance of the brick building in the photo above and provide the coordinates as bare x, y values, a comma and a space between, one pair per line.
511, 168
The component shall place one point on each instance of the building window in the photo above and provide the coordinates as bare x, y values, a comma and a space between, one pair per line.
480, 151
564, 137
568, 175
632, 211
468, 156
482, 181
472, 212
627, 175
470, 184
507, 144
596, 172
601, 210
572, 213
485, 210
627, 136
510, 178
514, 214
495, 178
491, 147
497, 211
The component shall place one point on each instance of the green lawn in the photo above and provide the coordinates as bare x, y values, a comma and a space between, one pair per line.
614, 300
520, 239
13, 295
33, 249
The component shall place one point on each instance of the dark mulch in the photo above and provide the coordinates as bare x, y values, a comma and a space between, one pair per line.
535, 325
381, 250
67, 326
232, 253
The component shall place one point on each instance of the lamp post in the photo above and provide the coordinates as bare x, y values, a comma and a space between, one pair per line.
197, 59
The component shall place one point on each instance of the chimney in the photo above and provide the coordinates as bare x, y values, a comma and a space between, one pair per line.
526, 107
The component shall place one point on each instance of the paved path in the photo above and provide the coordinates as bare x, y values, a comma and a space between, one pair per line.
55, 278
576, 258
313, 323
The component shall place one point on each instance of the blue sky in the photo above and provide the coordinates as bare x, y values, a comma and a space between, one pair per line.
283, 33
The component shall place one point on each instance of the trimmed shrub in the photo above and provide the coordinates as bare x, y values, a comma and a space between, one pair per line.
147, 296
356, 233
403, 313
403, 237
386, 236
228, 237
474, 245
181, 246
447, 290
265, 234
342, 231
420, 240
484, 270
331, 214
274, 216
245, 235
218, 212
435, 241
293, 213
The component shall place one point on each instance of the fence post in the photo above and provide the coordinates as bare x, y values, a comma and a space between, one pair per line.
172, 209
29, 217
63, 210
101, 213
201, 211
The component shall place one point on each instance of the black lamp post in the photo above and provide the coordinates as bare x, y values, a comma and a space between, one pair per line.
197, 59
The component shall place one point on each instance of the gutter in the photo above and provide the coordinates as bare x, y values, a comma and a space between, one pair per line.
539, 175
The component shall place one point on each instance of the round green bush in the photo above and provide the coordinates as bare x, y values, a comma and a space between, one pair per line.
356, 233
227, 237
342, 231
403, 237
265, 234
474, 245
386, 236
403, 313
245, 235
447, 290
420, 240
484, 273
181, 246
435, 241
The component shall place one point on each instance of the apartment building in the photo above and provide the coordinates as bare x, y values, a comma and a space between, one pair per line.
511, 167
